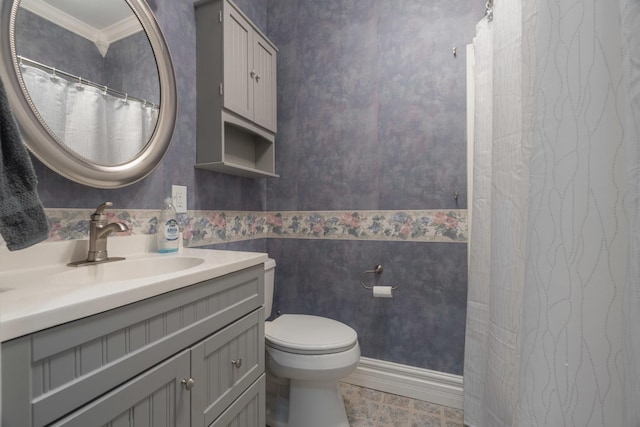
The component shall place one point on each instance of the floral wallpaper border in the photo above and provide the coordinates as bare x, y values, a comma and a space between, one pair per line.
201, 228
420, 226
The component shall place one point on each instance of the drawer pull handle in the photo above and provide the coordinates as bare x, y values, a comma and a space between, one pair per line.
237, 363
188, 384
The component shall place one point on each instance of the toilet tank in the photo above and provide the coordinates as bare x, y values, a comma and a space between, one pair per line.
269, 279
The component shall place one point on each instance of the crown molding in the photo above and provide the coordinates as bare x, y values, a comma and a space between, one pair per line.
122, 29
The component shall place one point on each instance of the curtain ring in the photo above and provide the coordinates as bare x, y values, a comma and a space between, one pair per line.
489, 7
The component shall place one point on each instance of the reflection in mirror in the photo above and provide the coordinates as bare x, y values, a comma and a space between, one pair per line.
91, 76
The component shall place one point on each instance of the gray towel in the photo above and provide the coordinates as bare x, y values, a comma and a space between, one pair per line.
22, 219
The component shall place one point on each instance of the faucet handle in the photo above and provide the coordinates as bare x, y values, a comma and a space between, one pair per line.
100, 209
99, 215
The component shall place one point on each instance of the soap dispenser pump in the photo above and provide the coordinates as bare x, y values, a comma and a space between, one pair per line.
168, 229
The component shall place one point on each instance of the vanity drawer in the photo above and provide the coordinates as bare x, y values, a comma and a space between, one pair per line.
62, 368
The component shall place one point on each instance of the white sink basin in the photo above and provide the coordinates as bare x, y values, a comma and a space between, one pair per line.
126, 270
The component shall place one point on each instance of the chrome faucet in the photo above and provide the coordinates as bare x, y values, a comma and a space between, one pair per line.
99, 231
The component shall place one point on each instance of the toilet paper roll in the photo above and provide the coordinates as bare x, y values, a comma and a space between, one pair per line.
382, 292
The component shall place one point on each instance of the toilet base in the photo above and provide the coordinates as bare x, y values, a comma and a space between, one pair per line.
277, 401
295, 403
316, 404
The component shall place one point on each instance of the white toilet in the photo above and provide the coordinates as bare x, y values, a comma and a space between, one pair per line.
306, 356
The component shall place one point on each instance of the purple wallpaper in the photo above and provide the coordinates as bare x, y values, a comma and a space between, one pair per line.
139, 77
423, 325
371, 103
371, 116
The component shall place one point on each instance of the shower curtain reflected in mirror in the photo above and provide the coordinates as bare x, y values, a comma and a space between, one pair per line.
95, 125
554, 271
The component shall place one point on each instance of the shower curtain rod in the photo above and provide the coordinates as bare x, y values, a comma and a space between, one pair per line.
80, 80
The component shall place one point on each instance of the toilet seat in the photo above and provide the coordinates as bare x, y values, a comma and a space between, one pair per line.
312, 367
306, 334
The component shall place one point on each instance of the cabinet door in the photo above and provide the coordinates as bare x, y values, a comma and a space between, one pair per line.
238, 63
155, 398
264, 96
224, 366
248, 410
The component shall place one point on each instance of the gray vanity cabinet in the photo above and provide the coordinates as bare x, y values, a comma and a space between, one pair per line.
190, 357
236, 97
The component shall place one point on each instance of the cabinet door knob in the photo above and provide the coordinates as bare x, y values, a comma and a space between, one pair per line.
258, 77
237, 363
188, 384
252, 74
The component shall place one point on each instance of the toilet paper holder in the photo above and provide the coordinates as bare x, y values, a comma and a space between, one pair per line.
376, 270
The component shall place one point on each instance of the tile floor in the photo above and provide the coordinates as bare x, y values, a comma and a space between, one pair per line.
372, 408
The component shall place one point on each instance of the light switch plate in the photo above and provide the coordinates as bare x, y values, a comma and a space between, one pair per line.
179, 196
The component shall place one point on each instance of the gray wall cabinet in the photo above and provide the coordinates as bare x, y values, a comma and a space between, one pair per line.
249, 82
133, 365
236, 97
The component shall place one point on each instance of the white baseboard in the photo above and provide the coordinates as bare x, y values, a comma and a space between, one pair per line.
417, 383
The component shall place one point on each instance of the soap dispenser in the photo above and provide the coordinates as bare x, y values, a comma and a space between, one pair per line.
168, 229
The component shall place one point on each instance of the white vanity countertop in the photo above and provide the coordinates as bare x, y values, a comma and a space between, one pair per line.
35, 292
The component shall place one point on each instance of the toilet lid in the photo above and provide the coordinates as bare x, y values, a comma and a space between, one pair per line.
305, 334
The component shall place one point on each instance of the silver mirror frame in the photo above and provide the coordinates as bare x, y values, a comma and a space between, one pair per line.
50, 152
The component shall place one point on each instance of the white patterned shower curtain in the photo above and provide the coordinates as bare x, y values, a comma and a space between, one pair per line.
97, 126
553, 315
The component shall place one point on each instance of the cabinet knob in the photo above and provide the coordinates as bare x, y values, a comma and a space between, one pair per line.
188, 384
237, 363
252, 74
258, 77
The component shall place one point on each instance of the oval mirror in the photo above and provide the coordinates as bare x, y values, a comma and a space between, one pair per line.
92, 86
